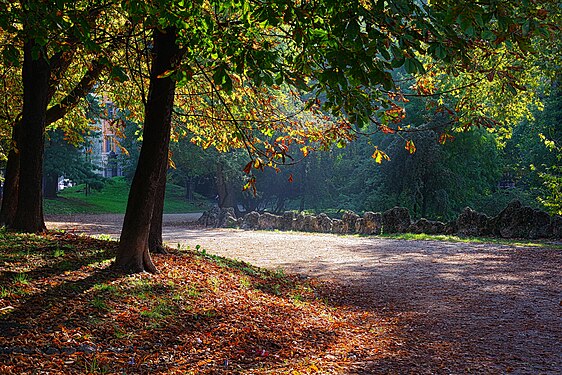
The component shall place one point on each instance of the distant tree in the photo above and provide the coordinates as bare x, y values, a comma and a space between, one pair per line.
65, 159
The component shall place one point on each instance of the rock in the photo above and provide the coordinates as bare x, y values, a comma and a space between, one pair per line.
428, 227
287, 220
269, 221
451, 227
518, 221
396, 220
210, 218
227, 218
218, 218
311, 224
372, 223
299, 222
472, 223
359, 225
337, 226
556, 227
324, 223
349, 218
250, 220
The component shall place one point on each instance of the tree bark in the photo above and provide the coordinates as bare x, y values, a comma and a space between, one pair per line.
133, 254
35, 77
226, 197
155, 242
55, 113
11, 181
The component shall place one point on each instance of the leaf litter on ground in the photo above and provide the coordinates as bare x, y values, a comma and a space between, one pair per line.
63, 310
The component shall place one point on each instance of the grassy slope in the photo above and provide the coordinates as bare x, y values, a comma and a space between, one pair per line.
113, 199
201, 315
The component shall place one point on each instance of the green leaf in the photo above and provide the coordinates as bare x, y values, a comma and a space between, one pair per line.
410, 66
12, 55
118, 74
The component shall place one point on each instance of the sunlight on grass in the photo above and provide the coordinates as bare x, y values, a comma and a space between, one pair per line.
483, 240
112, 198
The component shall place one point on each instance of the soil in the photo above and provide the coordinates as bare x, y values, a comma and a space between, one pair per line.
460, 308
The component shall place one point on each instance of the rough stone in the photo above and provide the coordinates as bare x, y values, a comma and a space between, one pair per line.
556, 227
337, 226
210, 218
518, 221
372, 223
310, 224
250, 220
359, 225
299, 222
472, 223
349, 218
269, 221
324, 223
287, 220
227, 218
396, 220
428, 227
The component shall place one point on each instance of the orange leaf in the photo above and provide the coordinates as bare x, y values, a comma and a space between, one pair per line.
410, 146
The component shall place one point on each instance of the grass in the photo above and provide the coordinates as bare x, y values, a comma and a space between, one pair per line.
484, 240
113, 199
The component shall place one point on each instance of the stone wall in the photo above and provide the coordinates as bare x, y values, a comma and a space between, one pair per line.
515, 221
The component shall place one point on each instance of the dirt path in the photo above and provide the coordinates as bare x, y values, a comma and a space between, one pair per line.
460, 308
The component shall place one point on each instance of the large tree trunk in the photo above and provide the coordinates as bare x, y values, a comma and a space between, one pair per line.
11, 181
35, 76
58, 111
133, 254
155, 243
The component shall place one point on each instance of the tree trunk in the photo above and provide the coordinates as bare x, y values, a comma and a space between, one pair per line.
11, 181
35, 77
155, 243
51, 186
60, 65
133, 254
226, 198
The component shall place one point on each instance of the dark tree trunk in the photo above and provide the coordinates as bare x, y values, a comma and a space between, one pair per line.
51, 187
189, 189
226, 198
155, 243
35, 77
11, 181
133, 254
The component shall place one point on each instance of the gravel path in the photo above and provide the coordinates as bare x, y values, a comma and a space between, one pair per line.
461, 308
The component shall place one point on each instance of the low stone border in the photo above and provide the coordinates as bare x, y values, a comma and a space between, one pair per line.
515, 221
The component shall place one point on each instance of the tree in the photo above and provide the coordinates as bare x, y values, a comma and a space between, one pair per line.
344, 53
48, 54
133, 253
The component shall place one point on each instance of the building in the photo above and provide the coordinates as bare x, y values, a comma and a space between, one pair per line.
104, 147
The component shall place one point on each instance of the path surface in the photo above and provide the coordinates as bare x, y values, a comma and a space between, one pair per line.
461, 308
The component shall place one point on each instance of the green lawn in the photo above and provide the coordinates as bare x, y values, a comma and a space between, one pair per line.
113, 199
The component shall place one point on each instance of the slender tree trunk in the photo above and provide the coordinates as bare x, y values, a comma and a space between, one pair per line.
133, 254
155, 243
51, 186
35, 77
11, 181
226, 196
